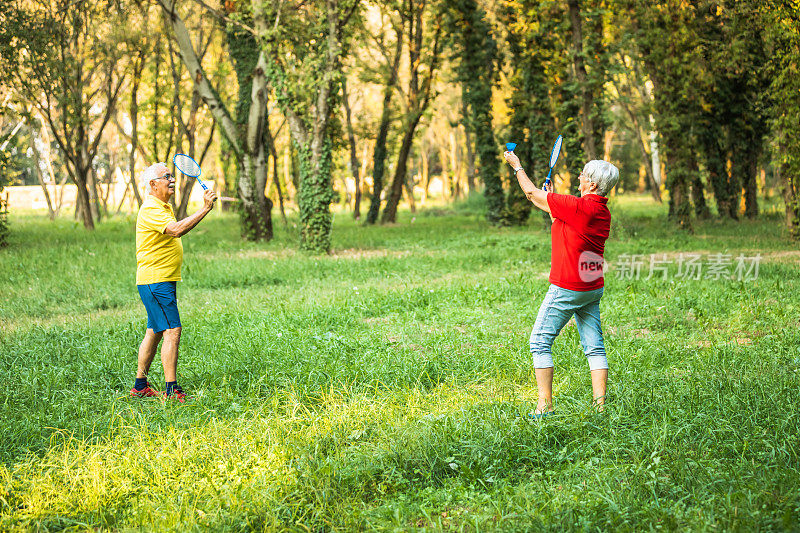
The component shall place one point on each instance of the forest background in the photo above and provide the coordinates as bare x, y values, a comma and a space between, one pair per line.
294, 106
374, 373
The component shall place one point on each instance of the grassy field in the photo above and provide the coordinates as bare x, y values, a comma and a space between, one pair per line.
386, 386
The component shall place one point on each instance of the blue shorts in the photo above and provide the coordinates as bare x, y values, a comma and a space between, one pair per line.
161, 302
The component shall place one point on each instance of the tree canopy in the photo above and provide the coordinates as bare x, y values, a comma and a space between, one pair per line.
697, 101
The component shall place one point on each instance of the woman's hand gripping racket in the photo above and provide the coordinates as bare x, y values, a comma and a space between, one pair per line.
553, 159
189, 167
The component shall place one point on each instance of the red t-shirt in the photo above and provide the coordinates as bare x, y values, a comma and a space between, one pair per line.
578, 235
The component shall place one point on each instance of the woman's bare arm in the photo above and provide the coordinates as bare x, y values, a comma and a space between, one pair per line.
532, 192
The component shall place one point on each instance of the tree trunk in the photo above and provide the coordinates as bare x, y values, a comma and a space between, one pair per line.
94, 197
390, 211
353, 157
276, 178
379, 153
61, 186
717, 167
587, 126
83, 200
409, 188
655, 188
454, 164
417, 98
36, 163
469, 145
489, 166
315, 194
698, 198
134, 116
678, 178
247, 137
445, 177
378, 162
124, 196
751, 185
360, 187
255, 209
424, 175
572, 149
791, 198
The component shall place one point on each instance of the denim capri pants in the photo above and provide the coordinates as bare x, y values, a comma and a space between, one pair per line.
557, 308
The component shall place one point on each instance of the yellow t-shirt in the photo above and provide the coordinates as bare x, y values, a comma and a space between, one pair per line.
158, 256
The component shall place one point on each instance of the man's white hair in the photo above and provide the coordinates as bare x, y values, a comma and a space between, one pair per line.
150, 173
603, 174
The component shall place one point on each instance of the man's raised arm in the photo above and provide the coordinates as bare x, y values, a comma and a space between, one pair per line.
182, 227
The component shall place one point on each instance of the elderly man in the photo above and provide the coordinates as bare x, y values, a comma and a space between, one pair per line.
580, 228
159, 255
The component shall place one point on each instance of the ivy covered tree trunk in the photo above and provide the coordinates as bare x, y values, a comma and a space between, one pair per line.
715, 158
246, 133
476, 52
255, 208
698, 196
379, 159
667, 38
570, 127
488, 162
518, 207
583, 89
315, 194
746, 142
790, 182
750, 172
784, 104
531, 113
599, 62
678, 158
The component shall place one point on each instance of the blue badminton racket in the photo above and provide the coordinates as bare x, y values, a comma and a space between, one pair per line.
189, 167
553, 159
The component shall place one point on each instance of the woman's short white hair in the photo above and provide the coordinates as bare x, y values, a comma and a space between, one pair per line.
150, 173
603, 174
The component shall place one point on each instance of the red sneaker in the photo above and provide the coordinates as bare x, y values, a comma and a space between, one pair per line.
179, 395
146, 392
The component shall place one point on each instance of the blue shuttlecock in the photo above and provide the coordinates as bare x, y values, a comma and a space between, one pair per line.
510, 146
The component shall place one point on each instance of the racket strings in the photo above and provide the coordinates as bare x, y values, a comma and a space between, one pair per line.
186, 165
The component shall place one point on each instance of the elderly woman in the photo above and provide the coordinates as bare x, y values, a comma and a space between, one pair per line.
578, 235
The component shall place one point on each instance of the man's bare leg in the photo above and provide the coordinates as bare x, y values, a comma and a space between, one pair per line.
147, 351
544, 383
599, 379
169, 353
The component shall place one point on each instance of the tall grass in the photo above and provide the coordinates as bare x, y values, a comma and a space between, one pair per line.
386, 386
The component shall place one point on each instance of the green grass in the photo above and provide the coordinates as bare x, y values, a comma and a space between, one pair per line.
385, 386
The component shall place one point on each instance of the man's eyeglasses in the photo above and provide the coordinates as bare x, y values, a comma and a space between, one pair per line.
168, 176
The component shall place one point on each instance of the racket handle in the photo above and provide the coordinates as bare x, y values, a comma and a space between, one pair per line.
203, 185
547, 179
